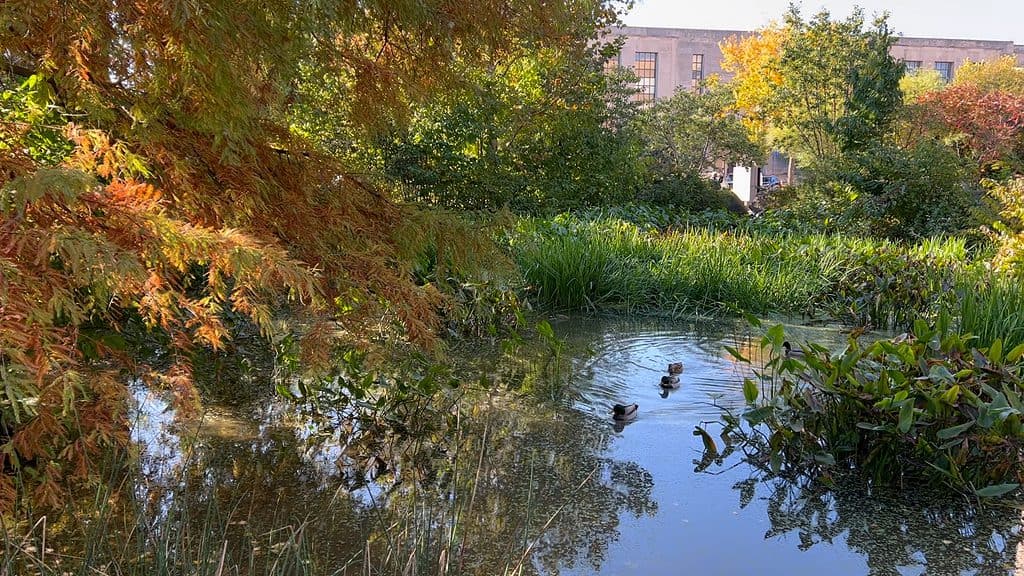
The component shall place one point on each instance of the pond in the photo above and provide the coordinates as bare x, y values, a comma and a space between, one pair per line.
545, 483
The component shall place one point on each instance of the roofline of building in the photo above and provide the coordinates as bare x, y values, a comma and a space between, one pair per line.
664, 31
902, 40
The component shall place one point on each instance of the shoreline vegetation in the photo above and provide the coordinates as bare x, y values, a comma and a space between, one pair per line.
938, 403
635, 261
356, 186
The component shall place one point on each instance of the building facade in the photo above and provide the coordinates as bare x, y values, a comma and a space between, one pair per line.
666, 59
669, 59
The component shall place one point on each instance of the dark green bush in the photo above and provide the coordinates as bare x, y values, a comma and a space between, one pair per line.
691, 193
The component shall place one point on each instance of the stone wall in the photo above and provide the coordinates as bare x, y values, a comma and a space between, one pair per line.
676, 46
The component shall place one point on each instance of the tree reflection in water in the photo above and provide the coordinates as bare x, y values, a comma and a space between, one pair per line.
897, 532
513, 485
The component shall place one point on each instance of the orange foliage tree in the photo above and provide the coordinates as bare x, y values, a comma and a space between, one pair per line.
753, 60
148, 172
986, 126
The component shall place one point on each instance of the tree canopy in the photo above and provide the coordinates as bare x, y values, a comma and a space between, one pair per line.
817, 86
689, 132
1001, 74
151, 175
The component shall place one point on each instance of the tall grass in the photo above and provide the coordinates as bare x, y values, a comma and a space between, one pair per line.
991, 307
276, 516
611, 264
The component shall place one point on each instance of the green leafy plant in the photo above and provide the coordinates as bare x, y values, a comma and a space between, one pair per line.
927, 406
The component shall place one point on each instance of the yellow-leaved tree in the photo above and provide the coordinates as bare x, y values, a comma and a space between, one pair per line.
1003, 74
753, 60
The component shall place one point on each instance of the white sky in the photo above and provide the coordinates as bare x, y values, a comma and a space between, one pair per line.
973, 19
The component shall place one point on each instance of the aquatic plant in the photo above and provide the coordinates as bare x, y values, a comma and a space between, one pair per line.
888, 286
925, 406
599, 262
991, 307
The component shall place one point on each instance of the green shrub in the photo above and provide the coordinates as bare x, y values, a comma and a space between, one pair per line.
928, 406
691, 193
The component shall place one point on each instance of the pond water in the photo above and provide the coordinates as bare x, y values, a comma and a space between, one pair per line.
549, 484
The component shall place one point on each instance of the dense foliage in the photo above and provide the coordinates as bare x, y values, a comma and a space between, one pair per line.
821, 87
547, 131
601, 261
926, 406
881, 153
686, 139
151, 182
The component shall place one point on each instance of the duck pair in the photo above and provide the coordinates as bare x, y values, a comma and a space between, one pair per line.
672, 380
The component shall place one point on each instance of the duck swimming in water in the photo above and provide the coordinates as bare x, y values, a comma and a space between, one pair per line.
675, 368
790, 352
624, 411
671, 381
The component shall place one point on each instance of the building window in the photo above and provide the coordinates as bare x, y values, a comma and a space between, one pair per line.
698, 68
945, 69
646, 69
912, 66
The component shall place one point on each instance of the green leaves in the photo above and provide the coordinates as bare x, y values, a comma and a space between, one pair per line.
929, 407
953, 431
996, 490
906, 416
750, 390
691, 131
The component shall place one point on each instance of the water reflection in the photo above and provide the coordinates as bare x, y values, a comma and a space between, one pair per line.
897, 534
791, 526
512, 484
544, 481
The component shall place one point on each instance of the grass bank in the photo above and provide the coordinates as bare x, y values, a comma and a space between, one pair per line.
611, 264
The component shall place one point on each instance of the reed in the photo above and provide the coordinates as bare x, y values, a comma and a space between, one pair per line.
991, 307
609, 264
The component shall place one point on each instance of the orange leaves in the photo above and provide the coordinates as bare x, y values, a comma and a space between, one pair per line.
186, 196
37, 438
94, 153
178, 379
205, 323
991, 124
131, 193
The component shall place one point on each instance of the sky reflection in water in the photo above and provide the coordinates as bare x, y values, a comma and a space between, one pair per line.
555, 477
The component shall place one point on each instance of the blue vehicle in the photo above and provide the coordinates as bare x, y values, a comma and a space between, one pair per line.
771, 182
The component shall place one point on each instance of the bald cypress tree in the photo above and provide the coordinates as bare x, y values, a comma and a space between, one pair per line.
149, 172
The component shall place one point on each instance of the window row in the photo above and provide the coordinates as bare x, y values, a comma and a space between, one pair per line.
945, 69
645, 66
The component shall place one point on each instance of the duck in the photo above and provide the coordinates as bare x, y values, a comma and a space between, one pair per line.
671, 381
790, 352
624, 411
675, 368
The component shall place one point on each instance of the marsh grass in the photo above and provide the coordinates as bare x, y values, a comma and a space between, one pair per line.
108, 536
991, 307
608, 264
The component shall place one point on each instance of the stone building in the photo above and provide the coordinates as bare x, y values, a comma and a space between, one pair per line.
669, 58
